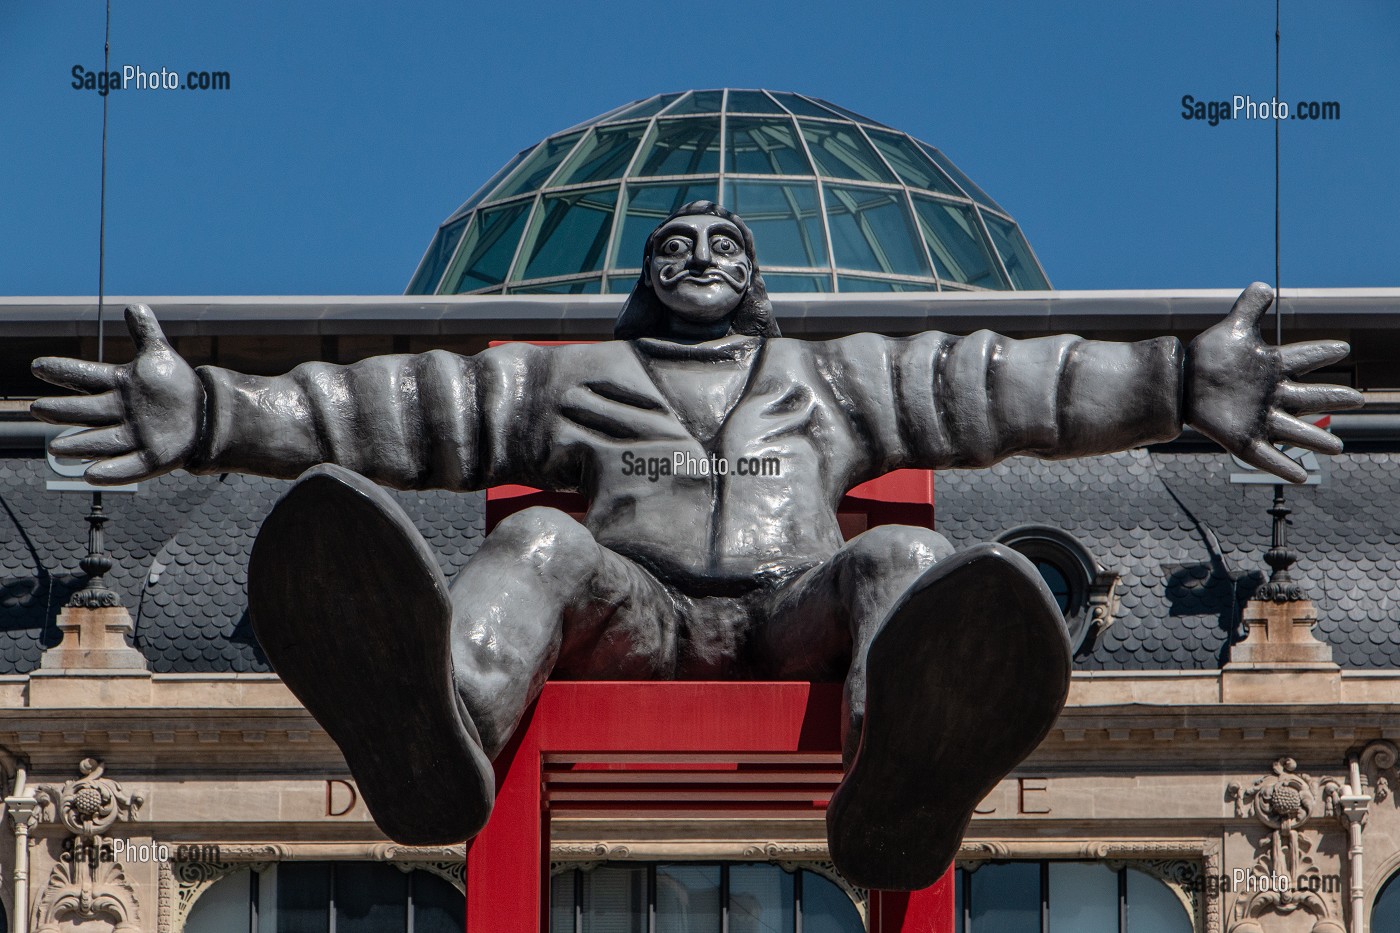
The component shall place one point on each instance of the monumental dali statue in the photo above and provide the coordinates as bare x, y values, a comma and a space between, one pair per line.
955, 663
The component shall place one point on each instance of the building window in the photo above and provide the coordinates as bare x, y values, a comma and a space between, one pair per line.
1066, 897
1385, 913
1067, 568
329, 897
694, 897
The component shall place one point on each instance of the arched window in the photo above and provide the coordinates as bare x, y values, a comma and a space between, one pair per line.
1066, 897
316, 897
695, 897
1385, 913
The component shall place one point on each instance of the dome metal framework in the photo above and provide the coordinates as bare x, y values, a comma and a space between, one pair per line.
836, 201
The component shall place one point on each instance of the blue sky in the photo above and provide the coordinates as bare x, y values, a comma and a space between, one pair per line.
352, 128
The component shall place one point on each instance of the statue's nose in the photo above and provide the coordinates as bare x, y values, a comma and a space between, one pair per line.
700, 257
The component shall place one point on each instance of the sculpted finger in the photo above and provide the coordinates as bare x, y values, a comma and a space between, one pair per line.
82, 375
1299, 358
1267, 457
96, 410
1286, 429
99, 442
125, 469
1252, 303
145, 329
1303, 399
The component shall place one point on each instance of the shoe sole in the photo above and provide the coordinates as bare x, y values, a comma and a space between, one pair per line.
353, 613
965, 679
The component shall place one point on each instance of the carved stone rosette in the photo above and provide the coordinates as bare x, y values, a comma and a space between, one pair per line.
1284, 801
83, 885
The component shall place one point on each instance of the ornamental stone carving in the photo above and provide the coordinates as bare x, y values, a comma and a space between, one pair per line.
87, 883
89, 805
1284, 801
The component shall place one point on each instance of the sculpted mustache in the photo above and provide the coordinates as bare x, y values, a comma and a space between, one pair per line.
673, 274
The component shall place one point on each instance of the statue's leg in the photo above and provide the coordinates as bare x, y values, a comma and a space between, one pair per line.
573, 608
953, 682
420, 685
821, 624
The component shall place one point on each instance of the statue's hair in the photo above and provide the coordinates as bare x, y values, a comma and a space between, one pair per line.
644, 315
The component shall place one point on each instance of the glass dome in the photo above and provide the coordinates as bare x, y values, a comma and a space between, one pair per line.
836, 201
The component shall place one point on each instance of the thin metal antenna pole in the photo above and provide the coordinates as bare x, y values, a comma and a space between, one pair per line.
1278, 276
1280, 509
102, 195
94, 593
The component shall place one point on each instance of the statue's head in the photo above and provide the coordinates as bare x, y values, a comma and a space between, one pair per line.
699, 280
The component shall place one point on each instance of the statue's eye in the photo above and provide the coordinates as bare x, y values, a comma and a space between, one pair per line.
675, 246
724, 245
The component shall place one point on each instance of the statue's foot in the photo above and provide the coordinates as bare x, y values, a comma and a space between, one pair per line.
353, 612
965, 678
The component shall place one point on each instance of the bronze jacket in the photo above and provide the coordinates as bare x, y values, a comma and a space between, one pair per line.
583, 417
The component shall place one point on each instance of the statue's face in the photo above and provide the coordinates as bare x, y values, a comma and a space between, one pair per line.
699, 268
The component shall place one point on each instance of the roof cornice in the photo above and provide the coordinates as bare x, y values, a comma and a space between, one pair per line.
587, 317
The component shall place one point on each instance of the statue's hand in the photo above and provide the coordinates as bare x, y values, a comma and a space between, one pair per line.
1239, 392
145, 415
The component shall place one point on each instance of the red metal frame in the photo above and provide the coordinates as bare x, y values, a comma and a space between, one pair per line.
508, 864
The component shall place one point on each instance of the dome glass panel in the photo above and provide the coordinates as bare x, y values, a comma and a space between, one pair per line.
681, 147
780, 282
803, 107
646, 108
765, 146
604, 154
786, 221
841, 151
908, 160
538, 167
569, 234
752, 102
969, 186
698, 102
491, 183
956, 245
871, 231
439, 253
837, 202
485, 254
1015, 253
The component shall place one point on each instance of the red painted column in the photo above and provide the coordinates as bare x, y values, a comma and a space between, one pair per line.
507, 887
507, 865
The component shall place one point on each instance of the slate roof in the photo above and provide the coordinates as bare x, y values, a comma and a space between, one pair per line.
180, 545
1188, 544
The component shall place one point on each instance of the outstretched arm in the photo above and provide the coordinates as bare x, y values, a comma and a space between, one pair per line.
972, 401
434, 420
